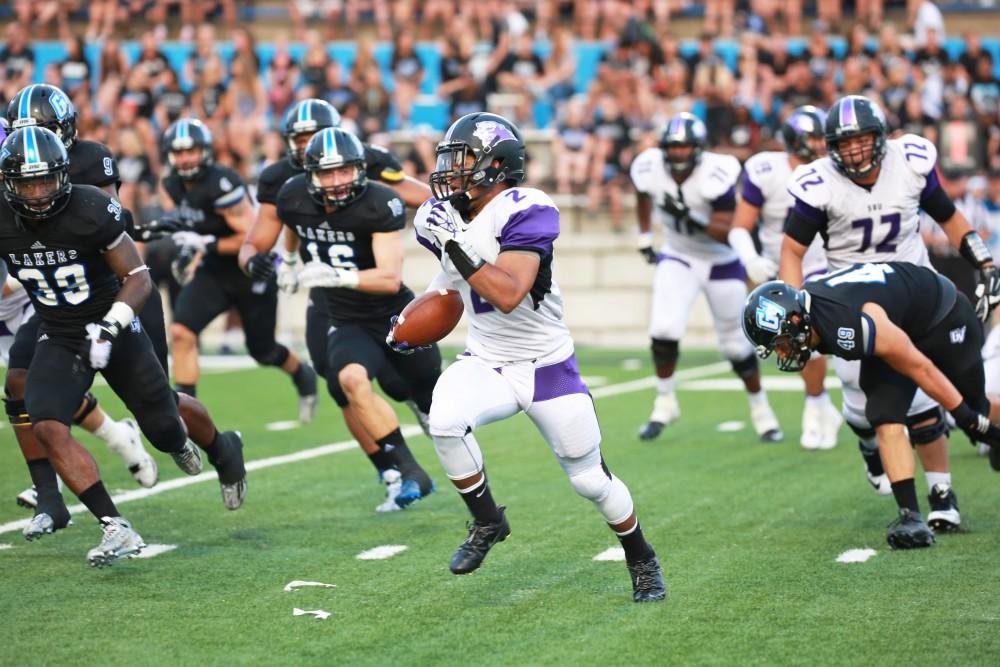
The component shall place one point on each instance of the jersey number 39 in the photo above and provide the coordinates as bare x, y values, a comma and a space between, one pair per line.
70, 284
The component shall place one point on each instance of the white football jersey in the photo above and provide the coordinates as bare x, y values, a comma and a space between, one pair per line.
517, 218
714, 177
877, 225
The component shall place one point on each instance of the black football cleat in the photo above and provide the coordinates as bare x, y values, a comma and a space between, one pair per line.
231, 470
651, 430
482, 537
995, 458
909, 531
944, 516
647, 581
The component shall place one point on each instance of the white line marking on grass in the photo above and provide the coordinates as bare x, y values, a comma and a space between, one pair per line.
298, 583
730, 427
612, 553
594, 380
152, 550
409, 430
631, 364
856, 555
770, 382
283, 426
382, 552
6, 546
318, 613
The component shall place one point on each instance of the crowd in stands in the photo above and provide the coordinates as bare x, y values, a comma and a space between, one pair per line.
751, 65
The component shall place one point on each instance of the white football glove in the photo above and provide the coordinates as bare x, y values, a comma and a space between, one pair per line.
317, 274
442, 225
100, 347
760, 269
288, 270
193, 240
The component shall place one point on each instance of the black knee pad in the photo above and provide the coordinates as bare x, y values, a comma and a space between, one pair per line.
746, 368
89, 404
928, 433
862, 433
336, 393
665, 352
273, 356
17, 413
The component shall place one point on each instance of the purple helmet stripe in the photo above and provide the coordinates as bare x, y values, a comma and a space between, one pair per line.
847, 115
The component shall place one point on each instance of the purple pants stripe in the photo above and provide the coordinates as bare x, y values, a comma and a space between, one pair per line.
731, 271
557, 380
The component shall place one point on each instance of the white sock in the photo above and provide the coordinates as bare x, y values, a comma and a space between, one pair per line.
934, 478
107, 430
819, 401
758, 398
665, 385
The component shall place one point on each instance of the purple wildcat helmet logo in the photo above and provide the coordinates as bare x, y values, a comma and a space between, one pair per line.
491, 133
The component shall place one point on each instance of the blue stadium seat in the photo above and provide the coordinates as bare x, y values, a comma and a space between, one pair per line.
434, 113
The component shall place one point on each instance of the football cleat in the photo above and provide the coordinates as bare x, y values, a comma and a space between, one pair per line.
27, 498
423, 418
189, 458
118, 541
765, 423
231, 470
647, 581
128, 445
665, 412
831, 421
812, 425
43, 524
393, 481
944, 516
874, 471
909, 531
995, 458
308, 398
411, 491
482, 536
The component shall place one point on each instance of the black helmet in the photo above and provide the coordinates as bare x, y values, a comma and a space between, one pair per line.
185, 134
777, 310
30, 157
853, 116
330, 149
306, 117
42, 105
487, 138
802, 124
684, 129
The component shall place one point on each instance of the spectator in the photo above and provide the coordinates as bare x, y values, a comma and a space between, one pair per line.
930, 61
984, 90
612, 155
961, 141
245, 47
280, 81
572, 148
560, 68
247, 108
209, 99
719, 17
913, 119
101, 19
924, 16
151, 58
171, 100
896, 90
407, 73
17, 60
138, 178
802, 87
205, 49
113, 69
715, 84
521, 75
43, 12
973, 48
420, 160
337, 92
312, 72
74, 70
434, 12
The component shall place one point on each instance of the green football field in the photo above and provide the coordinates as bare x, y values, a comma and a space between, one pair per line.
748, 533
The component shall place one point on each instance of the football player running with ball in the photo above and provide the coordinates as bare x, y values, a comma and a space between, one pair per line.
691, 193
495, 243
906, 327
863, 198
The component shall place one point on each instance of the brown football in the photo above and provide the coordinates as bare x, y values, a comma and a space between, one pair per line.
429, 318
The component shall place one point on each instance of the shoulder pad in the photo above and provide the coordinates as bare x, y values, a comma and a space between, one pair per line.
811, 183
719, 174
643, 168
918, 153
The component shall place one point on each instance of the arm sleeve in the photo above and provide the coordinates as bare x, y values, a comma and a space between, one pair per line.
726, 201
934, 200
804, 222
750, 192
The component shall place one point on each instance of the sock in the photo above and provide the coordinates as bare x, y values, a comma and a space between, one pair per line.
214, 450
43, 476
935, 478
395, 446
635, 545
905, 492
758, 398
381, 460
107, 430
665, 385
479, 500
873, 460
819, 401
188, 389
98, 501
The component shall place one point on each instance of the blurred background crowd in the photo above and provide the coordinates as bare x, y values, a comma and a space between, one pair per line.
590, 81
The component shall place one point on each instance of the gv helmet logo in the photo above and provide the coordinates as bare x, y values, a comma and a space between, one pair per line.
769, 315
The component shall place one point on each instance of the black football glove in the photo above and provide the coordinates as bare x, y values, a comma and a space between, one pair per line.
682, 213
162, 227
978, 427
987, 292
261, 266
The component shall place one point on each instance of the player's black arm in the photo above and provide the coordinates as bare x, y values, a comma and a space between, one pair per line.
801, 226
896, 349
262, 235
239, 217
506, 283
123, 258
387, 276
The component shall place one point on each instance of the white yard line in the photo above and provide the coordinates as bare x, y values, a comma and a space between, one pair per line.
152, 550
382, 552
409, 430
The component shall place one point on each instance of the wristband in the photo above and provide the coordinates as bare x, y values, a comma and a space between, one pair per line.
464, 257
644, 240
119, 316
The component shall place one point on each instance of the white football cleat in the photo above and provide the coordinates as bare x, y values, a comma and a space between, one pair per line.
393, 481
831, 421
812, 426
127, 444
880, 483
765, 423
118, 541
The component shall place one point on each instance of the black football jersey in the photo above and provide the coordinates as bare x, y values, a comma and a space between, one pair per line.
343, 239
60, 260
92, 163
380, 165
219, 188
915, 299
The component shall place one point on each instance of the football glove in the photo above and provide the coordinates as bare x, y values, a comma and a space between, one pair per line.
398, 346
288, 272
978, 427
318, 274
194, 240
100, 337
160, 228
987, 292
441, 225
645, 247
183, 265
261, 266
761, 269
682, 213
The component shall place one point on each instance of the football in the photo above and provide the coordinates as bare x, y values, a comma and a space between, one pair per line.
429, 318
